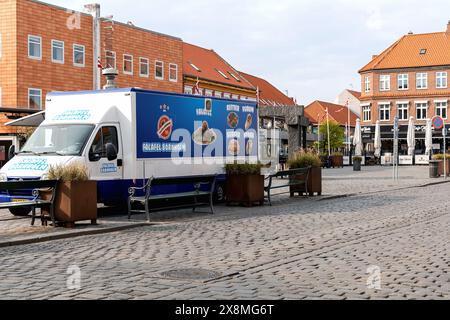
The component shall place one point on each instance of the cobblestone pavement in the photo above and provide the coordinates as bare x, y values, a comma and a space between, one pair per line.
297, 249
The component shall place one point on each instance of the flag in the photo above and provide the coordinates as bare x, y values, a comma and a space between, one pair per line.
99, 64
196, 90
257, 95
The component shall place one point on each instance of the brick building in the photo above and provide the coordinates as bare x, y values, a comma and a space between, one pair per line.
408, 79
48, 48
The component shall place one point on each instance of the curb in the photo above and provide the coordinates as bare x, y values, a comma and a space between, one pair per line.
71, 235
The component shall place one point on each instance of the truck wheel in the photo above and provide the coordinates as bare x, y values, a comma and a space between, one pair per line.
20, 211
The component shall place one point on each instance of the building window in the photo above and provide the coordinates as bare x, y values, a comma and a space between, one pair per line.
385, 82
227, 95
144, 67
111, 59
127, 64
222, 74
402, 109
78, 55
159, 70
403, 82
367, 84
441, 80
422, 80
441, 109
57, 51
235, 96
366, 113
421, 111
208, 93
217, 94
173, 72
187, 90
35, 47
385, 112
35, 99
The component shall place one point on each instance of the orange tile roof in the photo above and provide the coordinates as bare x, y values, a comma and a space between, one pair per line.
356, 94
268, 94
338, 113
210, 63
405, 52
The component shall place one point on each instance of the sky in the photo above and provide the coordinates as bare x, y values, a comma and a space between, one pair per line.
311, 49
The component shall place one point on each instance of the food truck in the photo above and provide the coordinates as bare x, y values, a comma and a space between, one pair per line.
125, 136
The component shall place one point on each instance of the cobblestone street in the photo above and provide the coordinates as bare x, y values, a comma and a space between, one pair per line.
315, 248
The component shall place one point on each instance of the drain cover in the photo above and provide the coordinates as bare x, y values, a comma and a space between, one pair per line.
191, 274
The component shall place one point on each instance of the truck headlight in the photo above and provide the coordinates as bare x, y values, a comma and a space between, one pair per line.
3, 177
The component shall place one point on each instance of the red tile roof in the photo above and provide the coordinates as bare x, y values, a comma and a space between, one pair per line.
356, 94
338, 113
210, 65
406, 52
268, 94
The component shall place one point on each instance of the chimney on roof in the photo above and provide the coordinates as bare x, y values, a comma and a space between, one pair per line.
374, 56
410, 33
448, 27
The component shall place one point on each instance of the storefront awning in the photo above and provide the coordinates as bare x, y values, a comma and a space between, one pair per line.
32, 120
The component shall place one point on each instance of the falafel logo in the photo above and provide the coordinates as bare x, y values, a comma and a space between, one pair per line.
165, 127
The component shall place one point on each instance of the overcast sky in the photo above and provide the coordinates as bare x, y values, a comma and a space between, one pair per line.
312, 48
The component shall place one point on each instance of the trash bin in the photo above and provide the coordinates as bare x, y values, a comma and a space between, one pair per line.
434, 164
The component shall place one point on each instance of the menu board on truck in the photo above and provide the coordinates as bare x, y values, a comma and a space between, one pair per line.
192, 127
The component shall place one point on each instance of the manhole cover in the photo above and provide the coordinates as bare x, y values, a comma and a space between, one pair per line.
191, 274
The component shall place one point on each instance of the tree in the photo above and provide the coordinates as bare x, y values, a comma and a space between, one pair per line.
337, 136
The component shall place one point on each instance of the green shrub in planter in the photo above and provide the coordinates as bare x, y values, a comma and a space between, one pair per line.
357, 158
303, 160
243, 168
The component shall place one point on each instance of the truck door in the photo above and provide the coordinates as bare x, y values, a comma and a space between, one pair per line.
101, 168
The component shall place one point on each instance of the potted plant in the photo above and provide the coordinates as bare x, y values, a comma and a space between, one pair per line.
303, 159
357, 163
245, 184
440, 157
337, 160
76, 195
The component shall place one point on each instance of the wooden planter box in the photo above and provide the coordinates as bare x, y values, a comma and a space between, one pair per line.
245, 189
337, 161
75, 201
441, 167
314, 183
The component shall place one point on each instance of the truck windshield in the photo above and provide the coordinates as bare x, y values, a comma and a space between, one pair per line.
61, 140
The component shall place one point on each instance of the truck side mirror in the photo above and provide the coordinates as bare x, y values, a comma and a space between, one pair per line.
111, 152
11, 152
94, 157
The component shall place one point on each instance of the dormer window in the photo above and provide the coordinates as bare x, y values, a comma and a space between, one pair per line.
222, 74
423, 51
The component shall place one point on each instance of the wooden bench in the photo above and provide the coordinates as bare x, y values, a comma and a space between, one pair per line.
197, 196
295, 177
36, 186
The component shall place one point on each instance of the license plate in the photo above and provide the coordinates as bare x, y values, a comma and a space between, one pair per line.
19, 200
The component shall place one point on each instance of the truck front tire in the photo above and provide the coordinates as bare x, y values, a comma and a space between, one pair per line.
20, 211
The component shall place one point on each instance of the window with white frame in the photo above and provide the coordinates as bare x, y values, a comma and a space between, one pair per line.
173, 72
441, 109
403, 82
128, 64
367, 116
79, 52
421, 110
208, 93
188, 90
144, 67
34, 47
159, 70
384, 112
385, 82
441, 80
227, 95
367, 84
35, 99
111, 59
422, 80
402, 111
217, 94
235, 96
57, 51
